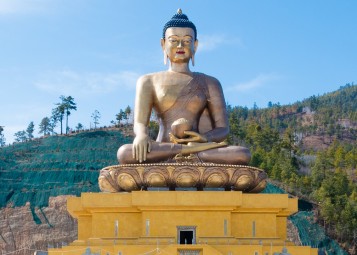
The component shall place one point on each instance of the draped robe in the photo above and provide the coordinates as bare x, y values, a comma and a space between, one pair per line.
190, 104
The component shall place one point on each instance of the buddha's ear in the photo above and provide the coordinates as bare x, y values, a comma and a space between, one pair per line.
163, 49
194, 52
162, 41
195, 45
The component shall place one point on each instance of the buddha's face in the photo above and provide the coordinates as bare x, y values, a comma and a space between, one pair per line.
179, 44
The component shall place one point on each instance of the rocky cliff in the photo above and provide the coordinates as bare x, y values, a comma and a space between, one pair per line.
21, 235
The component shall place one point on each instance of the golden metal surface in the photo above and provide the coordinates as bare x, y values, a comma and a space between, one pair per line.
179, 127
193, 127
182, 175
175, 95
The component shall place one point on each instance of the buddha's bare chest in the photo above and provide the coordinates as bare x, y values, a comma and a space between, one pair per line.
168, 93
179, 96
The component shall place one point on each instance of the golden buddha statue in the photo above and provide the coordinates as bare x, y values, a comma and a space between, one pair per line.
190, 150
179, 94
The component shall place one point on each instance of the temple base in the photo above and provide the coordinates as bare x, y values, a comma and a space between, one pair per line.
182, 223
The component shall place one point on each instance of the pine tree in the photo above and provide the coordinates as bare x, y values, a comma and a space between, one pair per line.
20, 136
44, 126
120, 116
127, 113
96, 116
30, 129
58, 114
69, 105
2, 137
79, 127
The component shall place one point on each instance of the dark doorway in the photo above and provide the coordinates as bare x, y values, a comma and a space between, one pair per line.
186, 236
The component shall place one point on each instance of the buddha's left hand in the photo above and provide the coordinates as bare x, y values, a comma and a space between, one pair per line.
192, 137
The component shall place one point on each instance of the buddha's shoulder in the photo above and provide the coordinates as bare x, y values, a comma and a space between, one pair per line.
150, 77
146, 80
209, 80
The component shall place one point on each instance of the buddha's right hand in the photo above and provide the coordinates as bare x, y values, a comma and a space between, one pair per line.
141, 146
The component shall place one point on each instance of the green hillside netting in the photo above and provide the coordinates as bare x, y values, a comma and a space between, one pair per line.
272, 189
310, 233
313, 235
58, 165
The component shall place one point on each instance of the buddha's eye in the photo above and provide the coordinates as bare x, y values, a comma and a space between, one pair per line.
173, 40
188, 41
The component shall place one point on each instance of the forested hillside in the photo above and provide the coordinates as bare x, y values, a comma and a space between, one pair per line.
310, 147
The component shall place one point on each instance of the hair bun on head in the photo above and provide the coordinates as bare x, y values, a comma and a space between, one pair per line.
179, 20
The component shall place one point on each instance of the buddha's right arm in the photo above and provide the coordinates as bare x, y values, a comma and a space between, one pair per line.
141, 143
142, 112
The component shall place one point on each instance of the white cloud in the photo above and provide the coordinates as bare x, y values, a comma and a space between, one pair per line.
211, 42
75, 83
259, 81
23, 6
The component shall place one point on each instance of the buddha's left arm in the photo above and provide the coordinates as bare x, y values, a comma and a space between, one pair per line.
217, 109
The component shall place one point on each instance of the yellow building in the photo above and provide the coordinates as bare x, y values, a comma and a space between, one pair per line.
182, 223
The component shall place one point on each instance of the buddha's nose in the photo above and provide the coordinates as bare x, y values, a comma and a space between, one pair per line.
179, 44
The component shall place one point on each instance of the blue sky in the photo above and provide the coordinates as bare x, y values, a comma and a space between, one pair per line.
94, 50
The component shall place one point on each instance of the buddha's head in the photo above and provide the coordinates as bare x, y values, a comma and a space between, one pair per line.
179, 39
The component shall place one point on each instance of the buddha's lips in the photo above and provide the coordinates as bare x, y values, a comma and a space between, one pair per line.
180, 52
